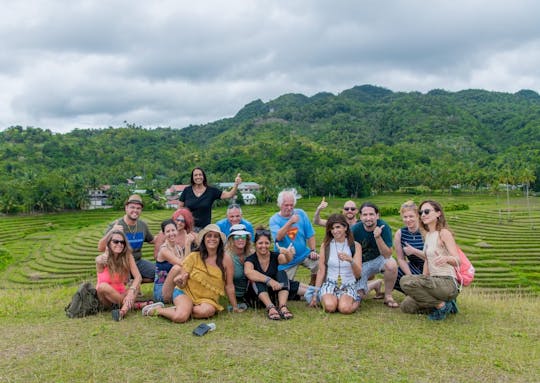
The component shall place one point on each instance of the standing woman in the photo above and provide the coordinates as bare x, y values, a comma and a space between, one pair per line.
114, 268
199, 197
409, 244
270, 283
239, 247
436, 289
340, 265
205, 275
185, 237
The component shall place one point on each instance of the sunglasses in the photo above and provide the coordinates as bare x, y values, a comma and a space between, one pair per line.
180, 220
263, 232
349, 208
241, 236
425, 211
118, 241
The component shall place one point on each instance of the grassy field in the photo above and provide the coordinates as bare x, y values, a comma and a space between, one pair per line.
494, 338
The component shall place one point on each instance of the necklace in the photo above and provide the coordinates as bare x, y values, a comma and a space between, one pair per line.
339, 260
132, 231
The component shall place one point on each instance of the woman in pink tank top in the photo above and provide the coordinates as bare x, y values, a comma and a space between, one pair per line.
114, 268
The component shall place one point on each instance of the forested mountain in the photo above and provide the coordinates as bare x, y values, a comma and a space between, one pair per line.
363, 140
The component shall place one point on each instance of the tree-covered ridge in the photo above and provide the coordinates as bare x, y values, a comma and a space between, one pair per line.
365, 139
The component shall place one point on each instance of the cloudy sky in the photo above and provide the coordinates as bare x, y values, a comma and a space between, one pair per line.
93, 64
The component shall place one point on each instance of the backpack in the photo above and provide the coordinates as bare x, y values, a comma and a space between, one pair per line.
464, 269
84, 302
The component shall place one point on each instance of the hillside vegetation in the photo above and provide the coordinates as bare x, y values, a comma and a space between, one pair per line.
59, 249
362, 141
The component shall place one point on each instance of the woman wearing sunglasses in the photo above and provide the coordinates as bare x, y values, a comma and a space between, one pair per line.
436, 289
239, 247
114, 268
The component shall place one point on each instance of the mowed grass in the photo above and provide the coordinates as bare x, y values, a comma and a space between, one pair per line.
494, 338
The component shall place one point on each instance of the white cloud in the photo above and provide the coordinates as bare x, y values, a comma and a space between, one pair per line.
88, 64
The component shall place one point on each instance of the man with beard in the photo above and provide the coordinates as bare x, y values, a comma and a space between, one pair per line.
137, 232
349, 211
375, 237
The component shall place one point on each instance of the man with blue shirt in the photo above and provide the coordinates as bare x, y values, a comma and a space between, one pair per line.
234, 217
293, 226
375, 237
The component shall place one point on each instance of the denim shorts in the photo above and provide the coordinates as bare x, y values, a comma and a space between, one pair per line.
370, 268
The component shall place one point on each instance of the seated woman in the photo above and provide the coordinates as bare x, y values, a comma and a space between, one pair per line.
409, 244
239, 247
261, 268
340, 265
436, 289
204, 276
169, 254
113, 269
185, 237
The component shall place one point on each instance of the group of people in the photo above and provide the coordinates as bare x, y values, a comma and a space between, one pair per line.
197, 261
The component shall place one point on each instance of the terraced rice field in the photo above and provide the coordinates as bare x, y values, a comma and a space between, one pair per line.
59, 249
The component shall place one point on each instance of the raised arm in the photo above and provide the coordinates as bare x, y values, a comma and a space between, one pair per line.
231, 193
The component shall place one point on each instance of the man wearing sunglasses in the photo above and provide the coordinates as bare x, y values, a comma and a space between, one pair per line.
350, 212
137, 232
234, 217
293, 226
375, 237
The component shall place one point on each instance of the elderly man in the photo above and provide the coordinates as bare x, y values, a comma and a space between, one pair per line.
292, 226
234, 217
349, 211
137, 232
375, 237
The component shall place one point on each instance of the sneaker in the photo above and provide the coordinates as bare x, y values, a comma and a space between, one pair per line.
453, 307
116, 315
440, 314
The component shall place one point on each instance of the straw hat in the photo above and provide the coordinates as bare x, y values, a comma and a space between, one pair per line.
210, 227
134, 198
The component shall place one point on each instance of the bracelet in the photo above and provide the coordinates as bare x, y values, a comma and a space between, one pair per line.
132, 288
267, 280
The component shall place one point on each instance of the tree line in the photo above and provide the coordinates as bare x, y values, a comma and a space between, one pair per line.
365, 140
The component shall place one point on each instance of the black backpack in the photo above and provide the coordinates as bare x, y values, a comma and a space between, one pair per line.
84, 302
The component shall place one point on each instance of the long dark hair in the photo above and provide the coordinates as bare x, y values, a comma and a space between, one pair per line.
333, 219
118, 265
220, 254
441, 221
205, 182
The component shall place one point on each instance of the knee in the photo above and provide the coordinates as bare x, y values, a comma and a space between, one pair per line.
391, 266
181, 317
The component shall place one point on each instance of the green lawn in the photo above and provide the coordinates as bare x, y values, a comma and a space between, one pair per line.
494, 338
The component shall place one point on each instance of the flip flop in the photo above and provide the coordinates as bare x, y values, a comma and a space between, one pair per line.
148, 309
379, 296
391, 303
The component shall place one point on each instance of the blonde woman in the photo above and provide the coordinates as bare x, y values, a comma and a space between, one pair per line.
409, 243
436, 289
113, 269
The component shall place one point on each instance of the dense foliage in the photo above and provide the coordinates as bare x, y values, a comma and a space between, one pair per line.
366, 139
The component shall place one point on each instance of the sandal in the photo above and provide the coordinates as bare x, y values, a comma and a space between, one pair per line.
140, 305
150, 310
391, 303
285, 313
274, 315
